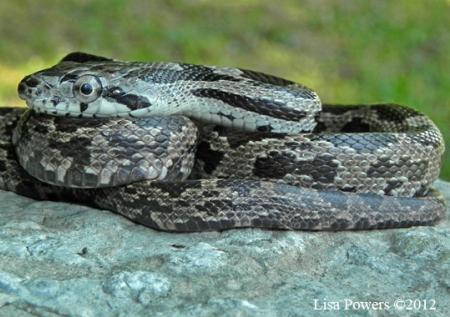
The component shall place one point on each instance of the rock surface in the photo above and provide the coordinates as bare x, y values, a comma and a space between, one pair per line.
58, 259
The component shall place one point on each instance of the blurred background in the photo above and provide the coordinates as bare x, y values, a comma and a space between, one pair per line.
348, 51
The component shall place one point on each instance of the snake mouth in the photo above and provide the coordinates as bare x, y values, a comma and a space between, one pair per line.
60, 106
68, 113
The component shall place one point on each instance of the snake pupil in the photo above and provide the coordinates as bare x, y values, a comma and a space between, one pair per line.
86, 89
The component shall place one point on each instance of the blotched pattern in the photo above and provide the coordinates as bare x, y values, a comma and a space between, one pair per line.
260, 151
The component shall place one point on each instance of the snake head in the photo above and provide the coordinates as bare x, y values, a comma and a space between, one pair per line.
84, 85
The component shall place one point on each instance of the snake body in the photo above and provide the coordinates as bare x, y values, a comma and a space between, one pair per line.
182, 147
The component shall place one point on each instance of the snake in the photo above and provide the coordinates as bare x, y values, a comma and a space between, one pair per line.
183, 147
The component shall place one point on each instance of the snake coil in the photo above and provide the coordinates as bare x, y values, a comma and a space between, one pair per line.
182, 147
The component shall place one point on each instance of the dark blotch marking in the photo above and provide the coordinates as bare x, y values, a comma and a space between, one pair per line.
80, 57
348, 189
320, 127
356, 125
394, 113
322, 168
133, 102
71, 124
69, 77
391, 185
228, 116
264, 128
190, 72
264, 107
41, 128
265, 78
55, 100
210, 157
77, 148
277, 164
422, 191
217, 77
83, 106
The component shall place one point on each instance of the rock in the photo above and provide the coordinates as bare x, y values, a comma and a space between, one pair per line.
61, 259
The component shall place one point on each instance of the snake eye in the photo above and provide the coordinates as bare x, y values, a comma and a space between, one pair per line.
87, 88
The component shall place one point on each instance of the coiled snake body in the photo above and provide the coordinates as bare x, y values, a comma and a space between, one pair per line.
182, 147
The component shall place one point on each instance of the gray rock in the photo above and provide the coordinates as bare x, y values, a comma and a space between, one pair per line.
59, 259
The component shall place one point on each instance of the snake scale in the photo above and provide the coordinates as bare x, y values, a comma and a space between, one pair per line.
181, 147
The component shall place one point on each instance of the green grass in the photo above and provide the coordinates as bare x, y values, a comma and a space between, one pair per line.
349, 51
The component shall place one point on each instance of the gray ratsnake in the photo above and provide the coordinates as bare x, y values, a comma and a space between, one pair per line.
181, 147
